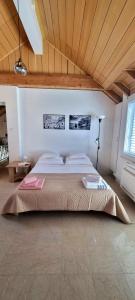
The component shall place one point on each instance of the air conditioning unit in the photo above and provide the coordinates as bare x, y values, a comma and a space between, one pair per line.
127, 182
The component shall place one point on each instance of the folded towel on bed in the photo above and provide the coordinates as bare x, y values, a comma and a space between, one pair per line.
93, 178
101, 185
29, 180
36, 185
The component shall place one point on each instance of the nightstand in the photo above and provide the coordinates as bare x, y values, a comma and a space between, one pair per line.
17, 170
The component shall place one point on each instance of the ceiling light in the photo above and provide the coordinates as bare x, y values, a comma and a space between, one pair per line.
19, 67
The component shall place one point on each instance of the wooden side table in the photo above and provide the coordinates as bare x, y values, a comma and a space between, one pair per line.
17, 170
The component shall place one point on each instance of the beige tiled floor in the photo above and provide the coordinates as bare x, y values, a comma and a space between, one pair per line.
70, 256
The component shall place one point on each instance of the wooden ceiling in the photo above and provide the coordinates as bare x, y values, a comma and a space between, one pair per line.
87, 37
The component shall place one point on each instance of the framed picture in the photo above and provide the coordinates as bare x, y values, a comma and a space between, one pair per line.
79, 122
51, 121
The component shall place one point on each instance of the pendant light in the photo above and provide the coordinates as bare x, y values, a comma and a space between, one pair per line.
19, 67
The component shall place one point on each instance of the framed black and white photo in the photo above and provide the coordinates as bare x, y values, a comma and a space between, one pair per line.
52, 121
79, 122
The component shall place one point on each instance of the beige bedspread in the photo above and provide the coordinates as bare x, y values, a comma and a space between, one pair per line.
65, 192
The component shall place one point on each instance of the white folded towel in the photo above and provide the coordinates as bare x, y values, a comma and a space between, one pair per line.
94, 185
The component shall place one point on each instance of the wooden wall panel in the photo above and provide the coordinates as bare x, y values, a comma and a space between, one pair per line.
53, 61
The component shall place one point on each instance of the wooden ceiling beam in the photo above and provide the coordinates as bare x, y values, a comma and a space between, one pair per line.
31, 24
39, 80
115, 97
131, 73
124, 89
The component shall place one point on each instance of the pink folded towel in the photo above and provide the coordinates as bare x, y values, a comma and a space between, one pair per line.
31, 179
37, 185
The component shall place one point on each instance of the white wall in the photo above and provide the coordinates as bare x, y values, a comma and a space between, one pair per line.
33, 103
118, 157
8, 96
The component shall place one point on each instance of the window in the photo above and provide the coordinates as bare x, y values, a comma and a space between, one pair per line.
129, 145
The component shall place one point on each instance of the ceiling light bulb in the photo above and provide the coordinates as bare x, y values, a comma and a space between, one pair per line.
20, 68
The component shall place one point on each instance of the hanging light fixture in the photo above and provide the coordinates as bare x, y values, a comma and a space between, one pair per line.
19, 67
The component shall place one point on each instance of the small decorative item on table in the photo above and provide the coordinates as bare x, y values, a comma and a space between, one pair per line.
18, 170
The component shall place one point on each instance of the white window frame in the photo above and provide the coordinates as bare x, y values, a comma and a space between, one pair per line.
130, 114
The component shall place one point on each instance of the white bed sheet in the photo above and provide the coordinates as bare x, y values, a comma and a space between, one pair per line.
58, 169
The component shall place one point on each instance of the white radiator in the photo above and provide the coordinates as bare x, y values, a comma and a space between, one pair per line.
128, 180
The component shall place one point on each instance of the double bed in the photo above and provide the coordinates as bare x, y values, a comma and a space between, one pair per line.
63, 190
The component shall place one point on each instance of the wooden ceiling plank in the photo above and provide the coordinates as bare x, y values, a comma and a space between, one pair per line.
51, 59
116, 98
23, 36
50, 80
25, 54
71, 68
42, 18
62, 24
11, 7
12, 23
12, 61
55, 22
70, 14
77, 70
57, 67
7, 10
100, 15
120, 51
39, 66
48, 16
45, 58
78, 21
4, 41
64, 65
120, 29
6, 67
2, 51
121, 65
123, 88
131, 73
31, 61
112, 17
9, 36
89, 13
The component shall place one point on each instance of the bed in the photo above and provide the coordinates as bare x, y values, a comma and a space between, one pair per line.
63, 191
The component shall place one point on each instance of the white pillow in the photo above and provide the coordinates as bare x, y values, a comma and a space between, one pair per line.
78, 161
51, 161
49, 154
77, 155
